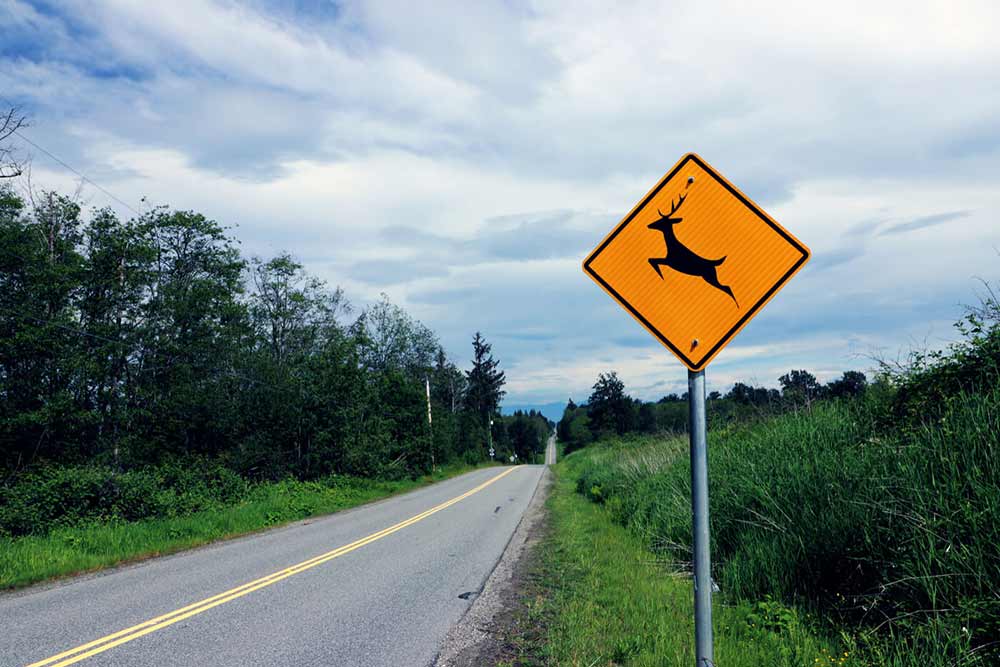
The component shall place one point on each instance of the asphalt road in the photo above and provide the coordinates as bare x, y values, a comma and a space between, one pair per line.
550, 451
377, 585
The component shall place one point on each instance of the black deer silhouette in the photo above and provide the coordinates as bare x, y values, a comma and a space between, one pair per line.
680, 257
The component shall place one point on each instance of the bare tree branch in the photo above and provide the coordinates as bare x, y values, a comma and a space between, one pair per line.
11, 164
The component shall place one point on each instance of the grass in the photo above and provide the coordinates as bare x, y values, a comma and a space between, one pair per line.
603, 598
891, 537
94, 546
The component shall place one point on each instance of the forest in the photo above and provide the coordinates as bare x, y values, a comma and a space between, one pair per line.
148, 358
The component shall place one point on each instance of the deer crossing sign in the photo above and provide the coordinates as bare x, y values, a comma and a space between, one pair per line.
695, 260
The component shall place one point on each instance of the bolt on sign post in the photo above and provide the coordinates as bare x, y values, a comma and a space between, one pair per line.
693, 262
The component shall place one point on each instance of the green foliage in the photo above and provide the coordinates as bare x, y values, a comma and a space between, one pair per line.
599, 597
771, 615
928, 385
522, 433
893, 533
93, 544
610, 410
879, 510
799, 387
128, 345
574, 428
484, 381
49, 497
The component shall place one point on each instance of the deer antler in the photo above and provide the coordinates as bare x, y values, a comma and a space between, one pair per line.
673, 207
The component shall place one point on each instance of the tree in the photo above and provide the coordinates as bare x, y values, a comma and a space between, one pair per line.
118, 269
799, 387
609, 408
40, 270
11, 165
525, 434
647, 418
393, 340
152, 340
850, 384
447, 383
292, 311
741, 393
562, 428
485, 382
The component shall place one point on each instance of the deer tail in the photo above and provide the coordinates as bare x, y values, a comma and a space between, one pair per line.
716, 262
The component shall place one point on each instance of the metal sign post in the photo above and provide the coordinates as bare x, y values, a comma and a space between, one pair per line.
699, 514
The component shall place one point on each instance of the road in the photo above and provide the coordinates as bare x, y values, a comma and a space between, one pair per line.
550, 451
377, 585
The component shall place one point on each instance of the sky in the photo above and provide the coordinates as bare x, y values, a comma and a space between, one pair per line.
463, 157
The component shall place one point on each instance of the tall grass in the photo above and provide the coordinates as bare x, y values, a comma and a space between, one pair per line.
892, 535
602, 599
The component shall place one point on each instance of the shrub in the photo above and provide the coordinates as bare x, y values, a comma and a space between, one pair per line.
47, 497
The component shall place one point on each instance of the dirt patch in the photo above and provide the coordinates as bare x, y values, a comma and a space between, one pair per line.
494, 629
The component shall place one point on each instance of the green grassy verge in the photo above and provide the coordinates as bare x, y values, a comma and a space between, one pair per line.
603, 598
72, 550
889, 534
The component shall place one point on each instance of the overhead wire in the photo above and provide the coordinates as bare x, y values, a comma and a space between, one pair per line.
64, 164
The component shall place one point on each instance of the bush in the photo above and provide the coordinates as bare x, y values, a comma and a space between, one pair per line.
47, 497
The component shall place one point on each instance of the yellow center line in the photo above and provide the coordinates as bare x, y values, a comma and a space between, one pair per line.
107, 642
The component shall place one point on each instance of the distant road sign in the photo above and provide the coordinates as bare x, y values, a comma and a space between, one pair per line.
695, 260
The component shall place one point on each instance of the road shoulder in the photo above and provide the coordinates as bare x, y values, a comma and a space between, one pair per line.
481, 636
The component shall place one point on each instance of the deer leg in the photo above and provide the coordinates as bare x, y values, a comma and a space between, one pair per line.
656, 263
712, 278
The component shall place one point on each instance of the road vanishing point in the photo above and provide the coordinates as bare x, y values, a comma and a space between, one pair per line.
380, 584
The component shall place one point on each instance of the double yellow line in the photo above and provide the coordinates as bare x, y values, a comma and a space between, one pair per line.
107, 642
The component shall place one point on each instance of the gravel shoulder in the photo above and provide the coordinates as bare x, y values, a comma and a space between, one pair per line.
481, 637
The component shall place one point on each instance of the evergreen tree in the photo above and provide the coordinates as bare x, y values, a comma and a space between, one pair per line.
485, 381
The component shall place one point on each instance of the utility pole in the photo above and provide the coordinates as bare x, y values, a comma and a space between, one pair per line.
430, 427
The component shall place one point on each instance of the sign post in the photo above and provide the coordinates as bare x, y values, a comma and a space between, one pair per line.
693, 263
699, 515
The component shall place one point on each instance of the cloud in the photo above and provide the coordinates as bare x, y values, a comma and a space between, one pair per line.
516, 238
840, 256
389, 272
464, 157
925, 221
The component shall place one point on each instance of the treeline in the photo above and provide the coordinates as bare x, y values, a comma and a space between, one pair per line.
523, 435
609, 410
153, 340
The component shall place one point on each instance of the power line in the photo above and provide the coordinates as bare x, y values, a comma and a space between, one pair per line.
81, 175
63, 163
